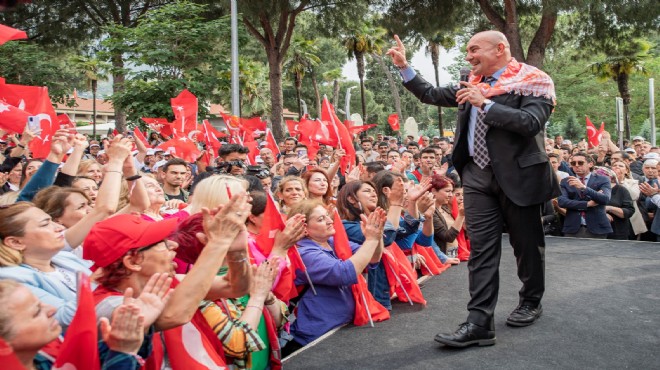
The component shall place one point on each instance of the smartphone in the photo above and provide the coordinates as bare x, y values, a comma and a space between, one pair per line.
302, 153
34, 124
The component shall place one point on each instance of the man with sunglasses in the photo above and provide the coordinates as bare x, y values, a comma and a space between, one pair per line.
584, 196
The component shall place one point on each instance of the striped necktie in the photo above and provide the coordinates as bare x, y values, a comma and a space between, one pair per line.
480, 156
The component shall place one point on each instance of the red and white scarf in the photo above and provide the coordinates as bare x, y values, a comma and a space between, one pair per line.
518, 78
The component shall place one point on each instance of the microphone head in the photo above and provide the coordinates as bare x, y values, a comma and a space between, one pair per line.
465, 72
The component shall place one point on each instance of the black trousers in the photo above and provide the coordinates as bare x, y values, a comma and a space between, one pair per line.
487, 210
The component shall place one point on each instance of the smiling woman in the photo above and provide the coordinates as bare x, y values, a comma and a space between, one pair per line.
31, 253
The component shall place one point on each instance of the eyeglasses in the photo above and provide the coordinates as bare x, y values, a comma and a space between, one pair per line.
168, 246
577, 163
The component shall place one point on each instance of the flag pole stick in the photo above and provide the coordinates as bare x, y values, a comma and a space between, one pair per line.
401, 284
366, 307
309, 280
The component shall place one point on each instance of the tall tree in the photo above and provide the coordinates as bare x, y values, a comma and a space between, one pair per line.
302, 59
360, 41
624, 61
172, 48
93, 70
334, 76
272, 23
434, 44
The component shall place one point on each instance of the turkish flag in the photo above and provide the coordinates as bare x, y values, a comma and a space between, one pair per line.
181, 147
160, 125
345, 137
354, 130
253, 146
272, 222
80, 347
401, 276
253, 124
594, 135
185, 109
34, 100
65, 121
367, 309
9, 34
211, 136
293, 127
12, 119
393, 120
271, 143
232, 122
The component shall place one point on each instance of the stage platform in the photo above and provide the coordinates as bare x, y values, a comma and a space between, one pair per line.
601, 310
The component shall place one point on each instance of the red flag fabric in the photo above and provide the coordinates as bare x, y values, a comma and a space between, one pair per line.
185, 109
9, 34
253, 146
12, 119
211, 136
140, 136
593, 135
181, 147
232, 122
420, 142
461, 239
293, 127
65, 121
393, 120
365, 304
253, 124
271, 143
345, 137
160, 125
8, 358
271, 223
80, 347
354, 130
192, 346
433, 263
401, 276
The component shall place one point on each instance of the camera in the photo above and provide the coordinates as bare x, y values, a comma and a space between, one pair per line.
226, 167
258, 171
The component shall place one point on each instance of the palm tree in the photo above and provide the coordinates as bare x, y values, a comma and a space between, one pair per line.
619, 65
334, 76
302, 58
364, 40
94, 70
433, 46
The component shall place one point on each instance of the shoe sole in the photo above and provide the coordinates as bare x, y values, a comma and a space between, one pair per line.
479, 342
519, 324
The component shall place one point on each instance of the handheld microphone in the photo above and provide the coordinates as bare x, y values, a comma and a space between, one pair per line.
465, 73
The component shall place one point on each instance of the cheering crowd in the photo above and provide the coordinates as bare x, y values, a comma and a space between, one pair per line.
258, 259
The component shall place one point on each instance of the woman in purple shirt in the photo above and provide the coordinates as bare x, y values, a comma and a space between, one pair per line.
333, 305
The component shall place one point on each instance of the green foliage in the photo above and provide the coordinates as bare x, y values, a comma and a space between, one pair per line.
573, 130
171, 48
26, 63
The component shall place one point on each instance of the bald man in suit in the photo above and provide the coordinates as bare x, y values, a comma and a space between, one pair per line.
499, 152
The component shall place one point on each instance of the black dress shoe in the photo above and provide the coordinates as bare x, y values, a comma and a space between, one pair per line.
524, 315
466, 335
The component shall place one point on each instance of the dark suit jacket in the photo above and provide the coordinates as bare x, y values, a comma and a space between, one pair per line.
515, 141
575, 201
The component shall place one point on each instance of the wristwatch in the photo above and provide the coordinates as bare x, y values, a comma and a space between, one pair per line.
485, 103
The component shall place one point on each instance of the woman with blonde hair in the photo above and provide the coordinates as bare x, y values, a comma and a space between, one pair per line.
92, 169
290, 191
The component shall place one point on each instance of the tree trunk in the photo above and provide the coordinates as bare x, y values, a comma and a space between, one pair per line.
297, 86
335, 93
624, 91
536, 49
390, 81
118, 78
359, 57
435, 58
94, 87
312, 75
276, 97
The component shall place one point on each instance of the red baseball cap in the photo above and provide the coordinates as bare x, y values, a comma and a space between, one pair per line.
109, 240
